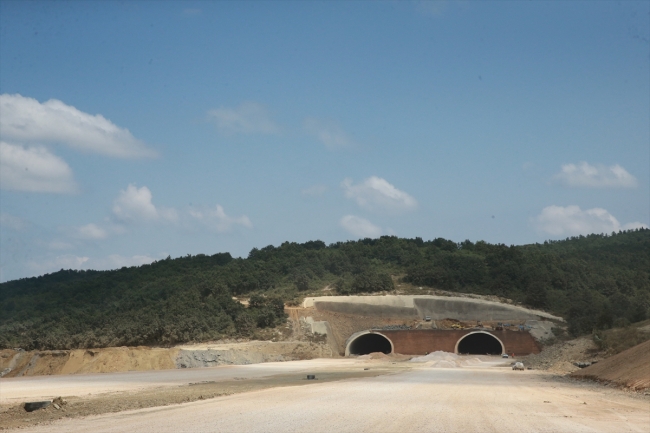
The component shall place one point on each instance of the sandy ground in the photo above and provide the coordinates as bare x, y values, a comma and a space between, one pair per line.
20, 389
406, 397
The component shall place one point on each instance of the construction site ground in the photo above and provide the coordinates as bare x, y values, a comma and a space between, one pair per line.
378, 393
260, 385
630, 368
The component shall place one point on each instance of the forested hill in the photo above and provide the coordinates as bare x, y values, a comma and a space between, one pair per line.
594, 282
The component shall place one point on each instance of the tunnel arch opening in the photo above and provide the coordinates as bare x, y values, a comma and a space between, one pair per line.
369, 342
480, 343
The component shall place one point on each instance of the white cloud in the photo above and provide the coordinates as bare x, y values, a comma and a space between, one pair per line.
191, 11
67, 261
598, 176
91, 232
360, 227
328, 132
115, 261
134, 204
218, 220
26, 120
12, 222
60, 245
314, 190
432, 8
376, 193
70, 261
635, 225
33, 169
571, 220
248, 118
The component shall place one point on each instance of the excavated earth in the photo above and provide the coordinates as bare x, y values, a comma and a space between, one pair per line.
630, 368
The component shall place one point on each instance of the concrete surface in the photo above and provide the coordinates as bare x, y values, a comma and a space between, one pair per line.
469, 399
414, 306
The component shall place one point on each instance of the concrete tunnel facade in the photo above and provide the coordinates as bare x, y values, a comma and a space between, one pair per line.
421, 342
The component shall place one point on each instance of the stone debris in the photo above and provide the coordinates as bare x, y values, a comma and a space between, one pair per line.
35, 405
565, 357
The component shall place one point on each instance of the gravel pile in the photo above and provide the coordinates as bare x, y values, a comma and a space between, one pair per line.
441, 359
560, 358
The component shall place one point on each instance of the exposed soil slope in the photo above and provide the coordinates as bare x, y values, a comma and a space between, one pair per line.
35, 363
630, 368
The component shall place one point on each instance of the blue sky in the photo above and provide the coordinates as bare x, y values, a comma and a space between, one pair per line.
136, 130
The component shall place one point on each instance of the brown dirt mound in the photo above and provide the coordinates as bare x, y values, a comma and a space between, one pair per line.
107, 360
630, 368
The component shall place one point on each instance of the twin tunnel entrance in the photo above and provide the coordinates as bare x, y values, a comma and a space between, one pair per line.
474, 343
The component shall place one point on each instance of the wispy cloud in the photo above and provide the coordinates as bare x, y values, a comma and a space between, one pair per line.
360, 227
376, 193
135, 205
91, 232
27, 121
8, 221
191, 12
247, 118
114, 261
571, 220
67, 261
60, 245
432, 7
218, 220
314, 190
33, 169
71, 261
328, 133
598, 176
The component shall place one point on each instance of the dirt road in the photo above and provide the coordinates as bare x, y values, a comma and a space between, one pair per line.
47, 387
425, 399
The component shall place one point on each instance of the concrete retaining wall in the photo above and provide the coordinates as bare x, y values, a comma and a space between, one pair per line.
470, 309
437, 307
368, 310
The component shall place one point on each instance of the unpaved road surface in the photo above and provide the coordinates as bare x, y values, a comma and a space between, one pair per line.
48, 387
422, 399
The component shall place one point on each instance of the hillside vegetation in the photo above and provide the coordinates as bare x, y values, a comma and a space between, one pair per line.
595, 282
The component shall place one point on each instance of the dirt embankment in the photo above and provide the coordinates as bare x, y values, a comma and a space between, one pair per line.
630, 368
17, 363
253, 352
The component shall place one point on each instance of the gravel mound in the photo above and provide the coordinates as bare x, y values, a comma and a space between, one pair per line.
560, 358
436, 356
440, 359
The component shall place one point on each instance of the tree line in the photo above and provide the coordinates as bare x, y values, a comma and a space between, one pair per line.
595, 282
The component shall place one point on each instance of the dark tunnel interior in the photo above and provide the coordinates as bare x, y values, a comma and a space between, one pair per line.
369, 343
480, 344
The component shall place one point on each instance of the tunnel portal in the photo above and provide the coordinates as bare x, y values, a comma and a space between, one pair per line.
369, 343
480, 343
